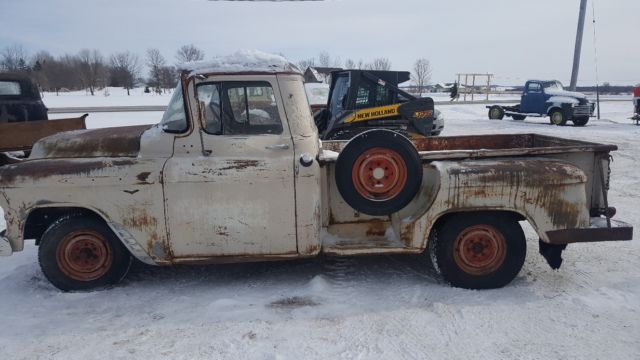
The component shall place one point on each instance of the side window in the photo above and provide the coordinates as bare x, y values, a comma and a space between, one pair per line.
362, 97
534, 87
339, 94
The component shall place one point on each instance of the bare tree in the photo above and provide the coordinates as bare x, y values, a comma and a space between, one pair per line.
155, 62
324, 59
379, 64
421, 74
304, 64
188, 53
92, 69
350, 64
125, 67
14, 58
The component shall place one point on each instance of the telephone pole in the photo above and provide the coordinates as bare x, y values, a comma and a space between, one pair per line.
578, 49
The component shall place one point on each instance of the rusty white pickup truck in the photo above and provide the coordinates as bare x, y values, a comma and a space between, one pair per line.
235, 172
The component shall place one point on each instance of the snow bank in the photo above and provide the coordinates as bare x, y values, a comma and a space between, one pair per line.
242, 61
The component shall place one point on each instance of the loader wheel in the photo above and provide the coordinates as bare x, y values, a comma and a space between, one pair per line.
496, 113
519, 117
580, 121
479, 250
378, 172
81, 253
557, 117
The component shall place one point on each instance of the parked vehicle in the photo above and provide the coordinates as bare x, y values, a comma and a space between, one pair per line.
361, 100
547, 98
23, 116
636, 105
20, 99
224, 178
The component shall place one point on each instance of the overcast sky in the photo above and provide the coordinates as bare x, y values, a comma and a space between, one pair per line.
514, 39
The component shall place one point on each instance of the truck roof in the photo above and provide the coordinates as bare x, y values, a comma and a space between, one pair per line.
242, 62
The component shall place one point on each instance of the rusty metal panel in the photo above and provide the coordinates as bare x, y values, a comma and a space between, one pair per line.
308, 187
125, 192
108, 142
22, 135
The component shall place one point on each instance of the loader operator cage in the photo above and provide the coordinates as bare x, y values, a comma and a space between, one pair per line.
361, 89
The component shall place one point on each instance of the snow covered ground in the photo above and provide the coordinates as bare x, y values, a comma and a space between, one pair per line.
388, 307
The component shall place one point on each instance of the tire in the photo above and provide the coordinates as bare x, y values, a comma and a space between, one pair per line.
557, 117
496, 112
580, 121
518, 117
82, 253
495, 250
378, 172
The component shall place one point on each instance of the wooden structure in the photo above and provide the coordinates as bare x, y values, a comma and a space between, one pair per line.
467, 88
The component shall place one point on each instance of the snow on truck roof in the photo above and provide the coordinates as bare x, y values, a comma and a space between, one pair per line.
243, 61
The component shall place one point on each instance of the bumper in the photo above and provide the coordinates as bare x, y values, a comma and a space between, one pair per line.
598, 231
5, 246
583, 110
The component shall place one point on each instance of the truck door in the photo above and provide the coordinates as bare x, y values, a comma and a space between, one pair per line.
231, 192
533, 99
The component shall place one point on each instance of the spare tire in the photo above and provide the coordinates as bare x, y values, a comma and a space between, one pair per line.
378, 172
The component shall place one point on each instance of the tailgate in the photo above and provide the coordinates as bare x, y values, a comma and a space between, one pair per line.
22, 135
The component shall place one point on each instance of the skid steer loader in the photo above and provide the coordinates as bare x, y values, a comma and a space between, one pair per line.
361, 100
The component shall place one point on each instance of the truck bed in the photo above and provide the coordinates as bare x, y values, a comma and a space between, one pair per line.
484, 146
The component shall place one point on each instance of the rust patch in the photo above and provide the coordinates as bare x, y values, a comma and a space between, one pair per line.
221, 230
376, 228
143, 177
312, 249
115, 142
38, 169
240, 164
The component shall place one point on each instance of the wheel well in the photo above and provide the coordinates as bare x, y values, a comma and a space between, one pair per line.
443, 219
40, 219
551, 109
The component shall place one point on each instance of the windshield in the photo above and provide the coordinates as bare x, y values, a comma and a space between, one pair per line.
553, 85
174, 119
339, 95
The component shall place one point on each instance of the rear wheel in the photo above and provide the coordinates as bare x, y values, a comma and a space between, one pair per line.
378, 172
82, 253
479, 250
496, 112
556, 117
580, 121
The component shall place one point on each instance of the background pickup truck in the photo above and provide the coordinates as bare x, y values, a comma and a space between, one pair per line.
547, 98
235, 172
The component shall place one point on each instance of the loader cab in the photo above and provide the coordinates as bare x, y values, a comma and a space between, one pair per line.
364, 98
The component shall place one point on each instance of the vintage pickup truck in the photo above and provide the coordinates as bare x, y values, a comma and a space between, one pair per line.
235, 172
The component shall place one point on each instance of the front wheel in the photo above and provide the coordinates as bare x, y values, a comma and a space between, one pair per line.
557, 117
479, 250
580, 121
81, 253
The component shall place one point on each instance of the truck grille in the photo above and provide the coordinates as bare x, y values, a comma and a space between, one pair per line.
582, 110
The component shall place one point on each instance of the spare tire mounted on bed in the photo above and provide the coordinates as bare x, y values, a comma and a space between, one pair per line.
378, 172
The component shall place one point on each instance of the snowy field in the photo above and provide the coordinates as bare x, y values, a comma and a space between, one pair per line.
387, 307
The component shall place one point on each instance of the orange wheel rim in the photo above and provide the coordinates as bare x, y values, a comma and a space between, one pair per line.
379, 174
480, 249
84, 255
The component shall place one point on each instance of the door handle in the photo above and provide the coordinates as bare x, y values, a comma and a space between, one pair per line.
277, 147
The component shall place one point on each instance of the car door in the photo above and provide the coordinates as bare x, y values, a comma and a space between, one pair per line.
533, 99
231, 191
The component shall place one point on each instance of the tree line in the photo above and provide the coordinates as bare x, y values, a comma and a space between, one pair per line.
90, 70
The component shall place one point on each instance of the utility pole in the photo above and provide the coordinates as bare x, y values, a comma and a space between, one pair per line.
578, 49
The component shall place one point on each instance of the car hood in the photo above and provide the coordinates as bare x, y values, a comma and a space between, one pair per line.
108, 142
565, 93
